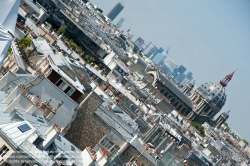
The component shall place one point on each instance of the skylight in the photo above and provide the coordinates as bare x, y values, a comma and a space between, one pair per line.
25, 127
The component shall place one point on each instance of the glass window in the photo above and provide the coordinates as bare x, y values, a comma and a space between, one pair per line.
70, 92
61, 85
107, 143
59, 82
59, 138
72, 148
67, 89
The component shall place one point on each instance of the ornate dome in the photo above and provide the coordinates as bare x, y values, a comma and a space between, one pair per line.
214, 93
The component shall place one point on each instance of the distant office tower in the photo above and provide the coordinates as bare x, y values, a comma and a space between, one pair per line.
139, 42
178, 72
170, 64
160, 58
189, 76
181, 78
181, 69
160, 50
119, 23
115, 11
150, 50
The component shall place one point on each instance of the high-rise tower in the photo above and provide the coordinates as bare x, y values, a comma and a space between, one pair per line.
115, 11
119, 23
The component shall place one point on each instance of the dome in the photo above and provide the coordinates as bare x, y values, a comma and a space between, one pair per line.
214, 93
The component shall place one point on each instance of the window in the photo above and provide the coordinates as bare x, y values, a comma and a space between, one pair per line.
59, 138
40, 120
3, 151
70, 92
107, 143
67, 89
114, 149
23, 128
60, 83
72, 148
37, 141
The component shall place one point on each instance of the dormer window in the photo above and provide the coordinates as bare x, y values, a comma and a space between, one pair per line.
72, 148
59, 138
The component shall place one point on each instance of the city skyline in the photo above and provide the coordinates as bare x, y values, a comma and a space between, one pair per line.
209, 38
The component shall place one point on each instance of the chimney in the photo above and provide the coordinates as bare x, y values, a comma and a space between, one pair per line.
53, 112
56, 108
51, 135
63, 130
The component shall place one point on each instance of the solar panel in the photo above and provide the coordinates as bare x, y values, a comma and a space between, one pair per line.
24, 127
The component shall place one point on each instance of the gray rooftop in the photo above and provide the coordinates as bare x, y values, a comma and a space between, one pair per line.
115, 122
175, 89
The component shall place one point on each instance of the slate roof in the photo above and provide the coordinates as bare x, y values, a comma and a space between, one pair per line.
175, 90
115, 122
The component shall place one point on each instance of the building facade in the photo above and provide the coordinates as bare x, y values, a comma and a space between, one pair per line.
115, 11
119, 23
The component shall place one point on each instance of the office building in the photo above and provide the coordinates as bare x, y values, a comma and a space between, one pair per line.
189, 75
160, 50
159, 59
181, 69
150, 49
115, 11
119, 23
170, 64
139, 42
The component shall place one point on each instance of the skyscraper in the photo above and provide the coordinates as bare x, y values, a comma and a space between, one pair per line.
160, 50
170, 64
119, 23
115, 11
150, 49
139, 42
181, 69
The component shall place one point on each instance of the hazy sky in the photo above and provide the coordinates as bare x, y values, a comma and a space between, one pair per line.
210, 37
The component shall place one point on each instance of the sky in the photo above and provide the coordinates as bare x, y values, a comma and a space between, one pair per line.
210, 38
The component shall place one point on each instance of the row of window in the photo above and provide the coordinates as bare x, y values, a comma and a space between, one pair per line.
108, 145
65, 87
